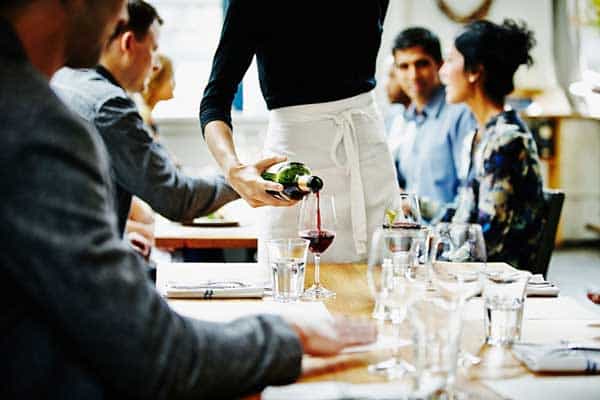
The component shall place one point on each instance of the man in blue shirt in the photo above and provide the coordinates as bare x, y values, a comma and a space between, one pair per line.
429, 135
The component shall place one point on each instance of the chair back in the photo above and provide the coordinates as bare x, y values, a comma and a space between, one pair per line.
554, 200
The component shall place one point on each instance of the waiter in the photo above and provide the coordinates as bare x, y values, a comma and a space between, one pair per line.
316, 66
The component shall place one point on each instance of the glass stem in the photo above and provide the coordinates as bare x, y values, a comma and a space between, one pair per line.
317, 269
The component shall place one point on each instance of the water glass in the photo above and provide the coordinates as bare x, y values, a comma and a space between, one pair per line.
436, 325
287, 258
503, 303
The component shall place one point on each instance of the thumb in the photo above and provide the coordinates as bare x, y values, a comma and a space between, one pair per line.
267, 162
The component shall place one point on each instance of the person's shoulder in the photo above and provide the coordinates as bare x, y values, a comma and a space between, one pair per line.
507, 137
77, 86
49, 122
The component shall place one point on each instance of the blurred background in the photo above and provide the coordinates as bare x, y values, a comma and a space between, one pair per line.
555, 95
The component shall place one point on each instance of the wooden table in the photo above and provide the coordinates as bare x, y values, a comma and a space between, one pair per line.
353, 298
177, 236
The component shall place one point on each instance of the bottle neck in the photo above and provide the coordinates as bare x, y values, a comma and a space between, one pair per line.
309, 183
303, 183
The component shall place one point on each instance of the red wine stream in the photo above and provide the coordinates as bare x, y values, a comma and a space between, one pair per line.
318, 213
320, 239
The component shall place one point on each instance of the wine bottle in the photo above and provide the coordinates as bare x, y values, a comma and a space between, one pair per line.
296, 178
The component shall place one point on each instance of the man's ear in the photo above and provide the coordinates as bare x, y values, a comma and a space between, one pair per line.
126, 41
476, 74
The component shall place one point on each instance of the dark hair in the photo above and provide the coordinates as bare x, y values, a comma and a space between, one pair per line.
141, 16
499, 49
12, 5
418, 36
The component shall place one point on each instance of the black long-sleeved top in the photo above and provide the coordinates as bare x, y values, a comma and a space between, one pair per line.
307, 52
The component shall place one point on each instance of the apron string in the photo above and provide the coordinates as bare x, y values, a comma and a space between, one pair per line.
346, 136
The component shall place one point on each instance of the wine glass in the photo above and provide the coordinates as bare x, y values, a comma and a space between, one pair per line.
394, 286
403, 212
316, 223
459, 256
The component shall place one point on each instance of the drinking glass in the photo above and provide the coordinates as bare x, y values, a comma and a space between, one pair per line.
503, 303
316, 223
403, 212
394, 286
459, 256
287, 258
436, 323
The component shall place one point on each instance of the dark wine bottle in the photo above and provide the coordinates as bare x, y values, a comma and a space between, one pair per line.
296, 178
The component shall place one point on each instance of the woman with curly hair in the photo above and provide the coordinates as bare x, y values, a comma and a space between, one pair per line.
503, 186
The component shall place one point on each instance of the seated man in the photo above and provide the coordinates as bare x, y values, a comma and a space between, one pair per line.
140, 166
79, 318
431, 139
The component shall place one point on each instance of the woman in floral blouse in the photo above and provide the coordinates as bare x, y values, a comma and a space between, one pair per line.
503, 187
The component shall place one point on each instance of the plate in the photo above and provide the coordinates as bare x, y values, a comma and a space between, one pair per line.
211, 222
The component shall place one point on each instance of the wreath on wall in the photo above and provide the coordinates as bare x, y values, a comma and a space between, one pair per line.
479, 13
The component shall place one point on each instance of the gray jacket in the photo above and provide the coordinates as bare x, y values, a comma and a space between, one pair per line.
79, 317
139, 165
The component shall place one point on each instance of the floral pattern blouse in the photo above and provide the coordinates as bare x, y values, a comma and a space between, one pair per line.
503, 190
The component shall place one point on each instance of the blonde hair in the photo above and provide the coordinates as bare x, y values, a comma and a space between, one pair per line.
159, 78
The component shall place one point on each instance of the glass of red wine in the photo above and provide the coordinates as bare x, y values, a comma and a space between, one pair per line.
317, 224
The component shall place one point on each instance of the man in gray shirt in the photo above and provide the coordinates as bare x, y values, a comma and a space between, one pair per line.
79, 318
139, 165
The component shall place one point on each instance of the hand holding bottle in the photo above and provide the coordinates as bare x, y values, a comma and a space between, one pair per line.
247, 181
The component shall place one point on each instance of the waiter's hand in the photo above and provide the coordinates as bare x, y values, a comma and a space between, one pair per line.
246, 180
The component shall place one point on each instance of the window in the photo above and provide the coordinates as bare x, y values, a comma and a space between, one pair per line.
189, 37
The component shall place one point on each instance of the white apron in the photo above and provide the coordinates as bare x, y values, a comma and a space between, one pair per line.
343, 143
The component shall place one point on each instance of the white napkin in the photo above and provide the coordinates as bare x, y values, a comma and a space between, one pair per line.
539, 287
563, 357
349, 391
207, 292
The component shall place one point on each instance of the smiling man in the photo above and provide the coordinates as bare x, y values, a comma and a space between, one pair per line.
431, 139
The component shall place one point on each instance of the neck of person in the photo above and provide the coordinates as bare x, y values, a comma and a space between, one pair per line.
40, 44
421, 102
483, 109
112, 65
151, 102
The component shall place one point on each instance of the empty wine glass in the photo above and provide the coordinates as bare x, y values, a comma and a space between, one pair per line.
394, 287
316, 223
459, 256
403, 212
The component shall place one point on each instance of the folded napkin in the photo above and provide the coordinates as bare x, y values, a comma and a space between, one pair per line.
562, 357
539, 287
213, 290
349, 391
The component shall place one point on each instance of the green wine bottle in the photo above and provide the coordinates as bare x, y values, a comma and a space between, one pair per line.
296, 178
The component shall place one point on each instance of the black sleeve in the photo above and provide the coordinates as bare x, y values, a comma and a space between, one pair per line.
92, 291
143, 167
231, 61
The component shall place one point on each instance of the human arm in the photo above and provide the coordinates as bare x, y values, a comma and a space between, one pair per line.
504, 162
143, 167
245, 178
232, 58
94, 293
